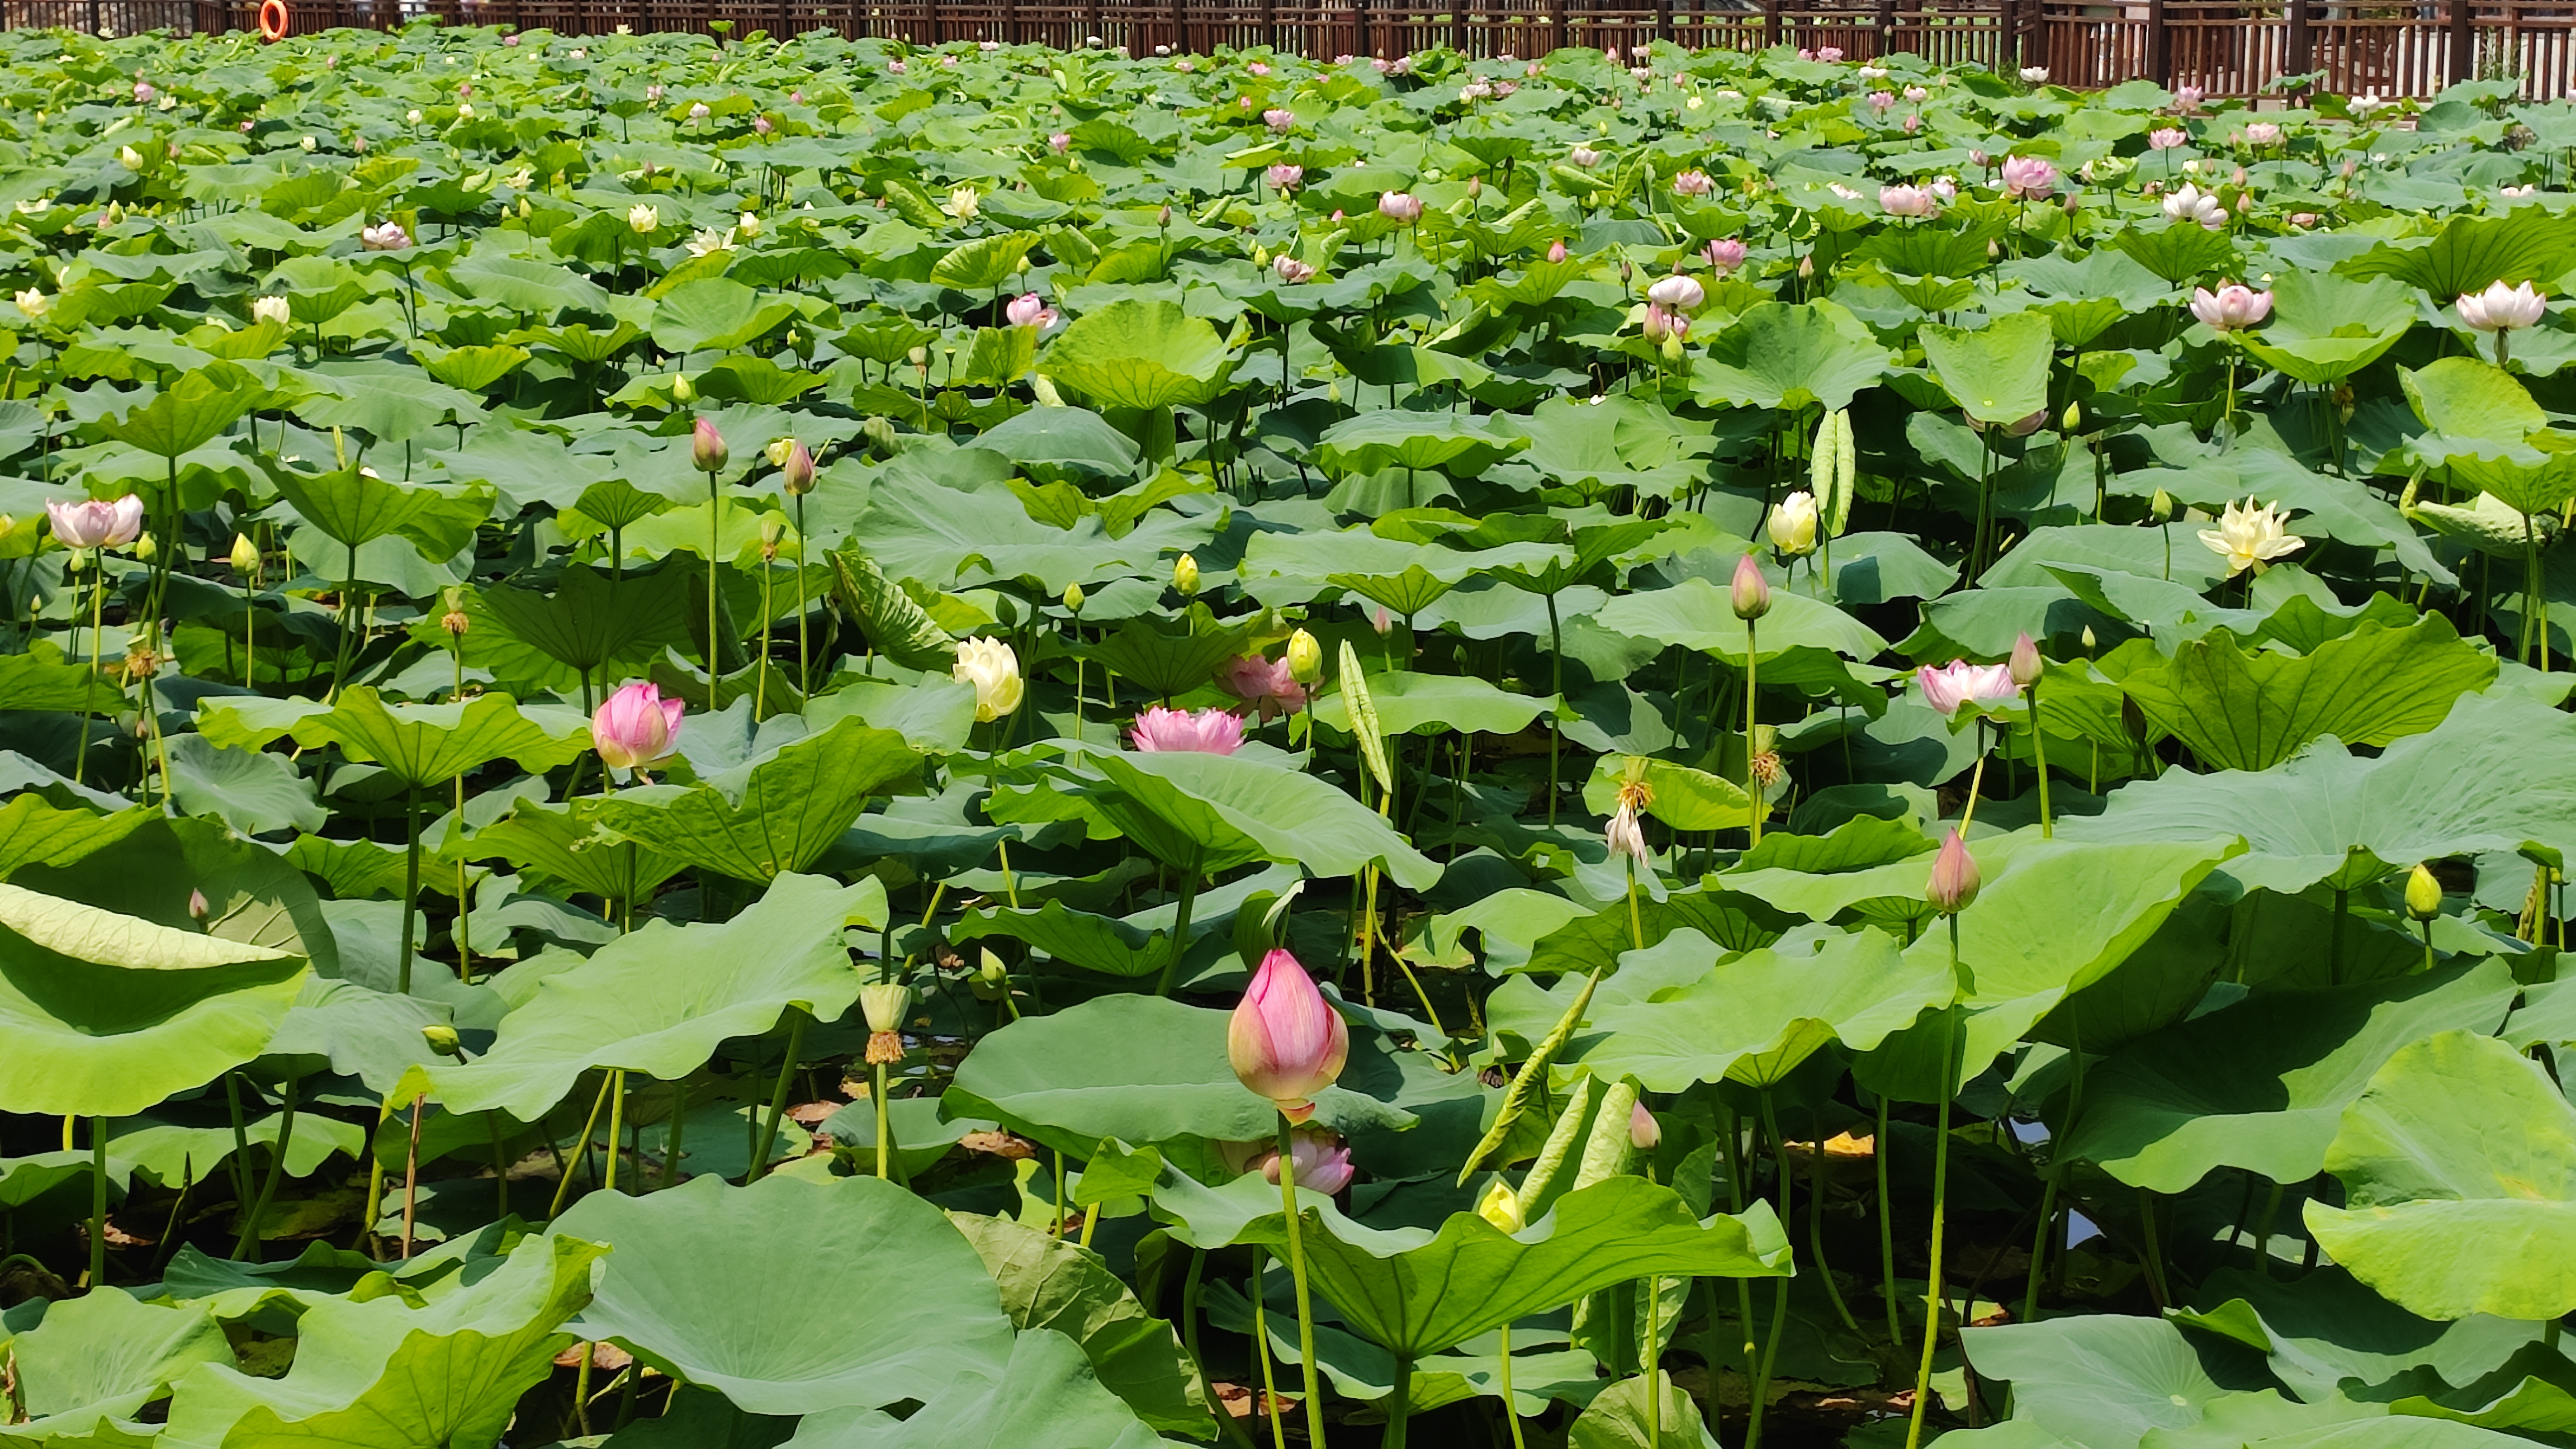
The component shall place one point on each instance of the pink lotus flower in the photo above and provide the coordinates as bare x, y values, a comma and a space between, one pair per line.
2501, 308
1954, 877
635, 727
1278, 120
1693, 183
2187, 98
1401, 207
1290, 270
1585, 157
1318, 1157
2166, 138
1662, 322
388, 237
2231, 307
1285, 176
1682, 294
1060, 142
1285, 1042
2263, 133
1029, 310
1960, 684
1881, 101
1726, 254
2028, 178
1204, 731
1829, 53
1907, 201
94, 524
1264, 683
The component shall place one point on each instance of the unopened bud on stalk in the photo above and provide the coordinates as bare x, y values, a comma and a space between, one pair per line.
444, 1041
796, 474
1185, 574
1073, 598
1954, 877
2423, 894
1644, 1132
2026, 664
1305, 658
707, 450
198, 909
245, 556
2162, 507
1502, 1207
1752, 592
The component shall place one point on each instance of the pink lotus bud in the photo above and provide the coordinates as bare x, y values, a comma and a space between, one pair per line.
2026, 665
1285, 1042
1401, 207
1060, 143
1913, 124
1725, 255
760, 125
1204, 731
95, 524
1644, 1132
1318, 1159
1290, 270
796, 475
1556, 250
1163, 218
1751, 593
635, 727
198, 908
1029, 310
707, 451
1954, 877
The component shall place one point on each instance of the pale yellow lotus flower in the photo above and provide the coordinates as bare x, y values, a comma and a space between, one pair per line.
2249, 537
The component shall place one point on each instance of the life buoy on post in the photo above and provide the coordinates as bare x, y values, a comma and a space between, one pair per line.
272, 20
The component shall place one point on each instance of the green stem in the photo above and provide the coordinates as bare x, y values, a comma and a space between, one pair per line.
2263, 1234
563, 1182
2039, 753
1752, 786
1180, 928
240, 1165
97, 1203
1306, 1307
1261, 1351
715, 525
411, 887
1400, 1404
89, 700
1556, 686
616, 1125
1780, 1296
1886, 1231
1940, 1208
1816, 1236
1198, 1363
885, 1116
244, 1245
804, 681
796, 1020
1503, 1380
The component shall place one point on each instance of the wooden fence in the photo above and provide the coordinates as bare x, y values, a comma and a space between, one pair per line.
2225, 48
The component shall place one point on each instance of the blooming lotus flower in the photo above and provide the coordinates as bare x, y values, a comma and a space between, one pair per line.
1278, 119
143, 91
387, 237
1693, 183
698, 110
1725, 254
1954, 877
643, 220
760, 125
1793, 524
2028, 178
34, 302
2250, 538
2034, 75
1269, 685
963, 203
1205, 731
1060, 143
1318, 1159
2190, 203
1749, 593
1959, 684
93, 523
2231, 307
1290, 270
1881, 101
2263, 133
635, 727
1678, 292
2187, 98
1917, 95
1285, 177
1029, 310
1285, 1042
1585, 157
270, 309
2500, 308
1401, 207
990, 666
1908, 201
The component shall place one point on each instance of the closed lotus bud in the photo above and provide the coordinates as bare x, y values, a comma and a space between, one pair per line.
991, 980
1954, 877
1073, 598
197, 906
146, 548
444, 1041
1751, 592
2026, 663
2090, 643
683, 390
245, 556
883, 1003
1285, 1042
796, 474
2162, 507
2423, 894
1502, 1207
1644, 1132
1185, 574
707, 451
1305, 658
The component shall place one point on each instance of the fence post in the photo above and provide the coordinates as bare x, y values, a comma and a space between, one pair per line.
1770, 23
1359, 28
2300, 44
1663, 19
2463, 43
1564, 32
1886, 27
2159, 44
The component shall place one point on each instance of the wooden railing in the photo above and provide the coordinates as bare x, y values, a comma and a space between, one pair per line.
2226, 49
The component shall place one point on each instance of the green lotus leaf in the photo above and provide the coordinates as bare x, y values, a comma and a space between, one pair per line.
418, 744
106, 1355
1778, 355
771, 817
1048, 1283
1999, 373
1138, 354
1044, 1396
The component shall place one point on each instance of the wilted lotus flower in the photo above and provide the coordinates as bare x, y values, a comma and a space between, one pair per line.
635, 727
1585, 157
1317, 1157
1625, 838
1556, 250
1959, 684
1401, 207
1725, 254
1954, 880
1205, 731
1285, 1042
1662, 323
2028, 178
1908, 201
1285, 177
387, 237
1278, 120
2166, 138
2250, 538
1029, 310
882, 1005
270, 309
2231, 307
990, 666
2500, 308
1060, 143
2190, 203
1682, 294
1792, 525
1269, 685
1749, 593
92, 523
1290, 270
1693, 183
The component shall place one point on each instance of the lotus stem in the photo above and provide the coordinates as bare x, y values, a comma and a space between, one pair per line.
249, 1239
715, 527
778, 1097
1752, 714
1399, 1413
1503, 1380
616, 1124
411, 1175
2039, 754
1180, 929
411, 888
1556, 686
1261, 1351
563, 1181
97, 1203
1886, 1231
885, 1135
1306, 1307
1780, 1296
89, 691
1940, 1207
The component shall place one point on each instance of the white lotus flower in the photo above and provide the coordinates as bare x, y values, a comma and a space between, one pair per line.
2250, 538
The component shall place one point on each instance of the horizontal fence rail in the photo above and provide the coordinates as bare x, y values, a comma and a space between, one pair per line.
2225, 49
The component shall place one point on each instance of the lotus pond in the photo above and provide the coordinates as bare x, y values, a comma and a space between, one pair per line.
713, 742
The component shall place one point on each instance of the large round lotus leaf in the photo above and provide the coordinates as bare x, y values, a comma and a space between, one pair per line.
252, 896
792, 1297
2459, 1174
103, 1015
1044, 1398
1048, 1283
108, 1354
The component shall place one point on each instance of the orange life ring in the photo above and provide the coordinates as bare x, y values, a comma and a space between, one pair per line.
272, 20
